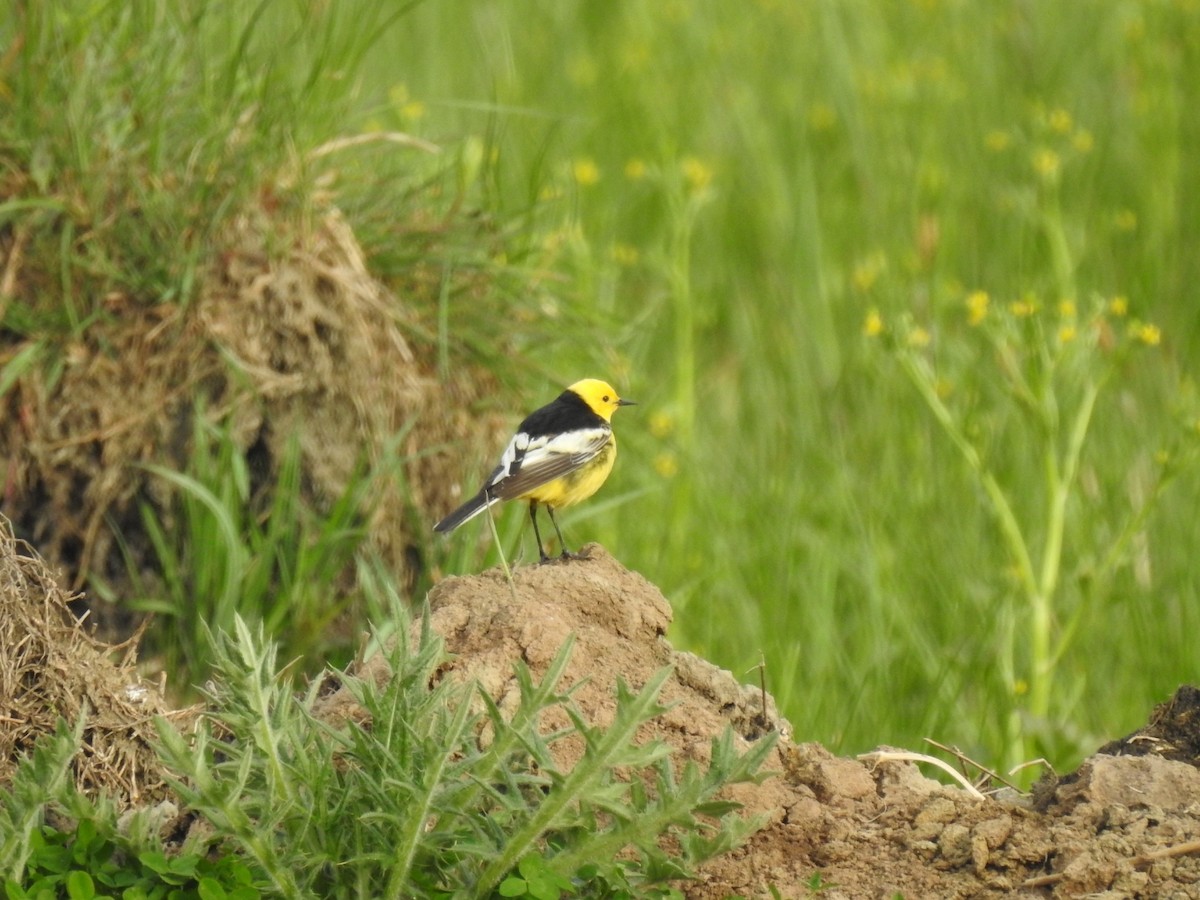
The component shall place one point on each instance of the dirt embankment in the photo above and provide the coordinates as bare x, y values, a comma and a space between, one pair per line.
1121, 826
1126, 824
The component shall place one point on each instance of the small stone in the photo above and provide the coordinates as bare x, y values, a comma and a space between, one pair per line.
979, 854
927, 849
955, 844
925, 831
995, 831
939, 809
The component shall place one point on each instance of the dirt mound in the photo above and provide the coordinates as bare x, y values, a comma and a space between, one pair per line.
1122, 825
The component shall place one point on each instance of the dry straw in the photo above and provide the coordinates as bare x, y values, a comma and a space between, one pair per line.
52, 668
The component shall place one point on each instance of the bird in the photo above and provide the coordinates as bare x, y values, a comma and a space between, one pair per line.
560, 455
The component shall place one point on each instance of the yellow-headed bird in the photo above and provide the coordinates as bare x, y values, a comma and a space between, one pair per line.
560, 455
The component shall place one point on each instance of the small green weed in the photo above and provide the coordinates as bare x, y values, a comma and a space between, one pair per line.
94, 858
230, 547
536, 880
817, 885
94, 862
416, 805
41, 777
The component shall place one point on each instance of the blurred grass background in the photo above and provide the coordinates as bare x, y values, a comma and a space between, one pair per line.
704, 204
731, 190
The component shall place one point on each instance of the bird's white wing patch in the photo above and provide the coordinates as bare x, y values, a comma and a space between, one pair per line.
530, 462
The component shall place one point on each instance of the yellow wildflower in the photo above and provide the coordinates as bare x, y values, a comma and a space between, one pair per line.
666, 465
661, 424
1059, 120
586, 172
1066, 308
918, 337
977, 306
1083, 141
696, 173
1118, 305
635, 169
1023, 308
1046, 162
1066, 334
873, 324
867, 271
1148, 334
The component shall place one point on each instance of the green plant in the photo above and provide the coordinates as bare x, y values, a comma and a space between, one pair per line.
228, 547
40, 778
92, 857
534, 879
817, 885
94, 862
415, 803
1016, 394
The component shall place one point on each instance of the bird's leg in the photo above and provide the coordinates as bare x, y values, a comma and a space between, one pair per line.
566, 554
537, 534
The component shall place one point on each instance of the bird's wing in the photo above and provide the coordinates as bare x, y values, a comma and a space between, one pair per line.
528, 462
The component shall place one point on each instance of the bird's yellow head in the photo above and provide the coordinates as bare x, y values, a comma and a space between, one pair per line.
600, 396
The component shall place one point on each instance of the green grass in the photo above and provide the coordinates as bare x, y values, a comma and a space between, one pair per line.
226, 547
704, 204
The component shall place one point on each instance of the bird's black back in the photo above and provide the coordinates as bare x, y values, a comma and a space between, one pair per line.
567, 412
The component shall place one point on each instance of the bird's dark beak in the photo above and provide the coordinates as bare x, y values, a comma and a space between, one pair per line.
624, 402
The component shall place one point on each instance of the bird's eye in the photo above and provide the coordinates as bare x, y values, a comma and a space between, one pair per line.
606, 398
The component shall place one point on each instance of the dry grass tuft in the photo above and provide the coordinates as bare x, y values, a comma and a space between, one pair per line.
290, 338
50, 667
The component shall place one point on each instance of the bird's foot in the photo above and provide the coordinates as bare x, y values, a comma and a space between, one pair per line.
562, 557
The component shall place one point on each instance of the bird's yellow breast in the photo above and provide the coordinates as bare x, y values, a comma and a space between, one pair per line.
579, 484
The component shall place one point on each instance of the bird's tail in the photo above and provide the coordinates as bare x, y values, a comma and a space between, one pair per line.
466, 512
